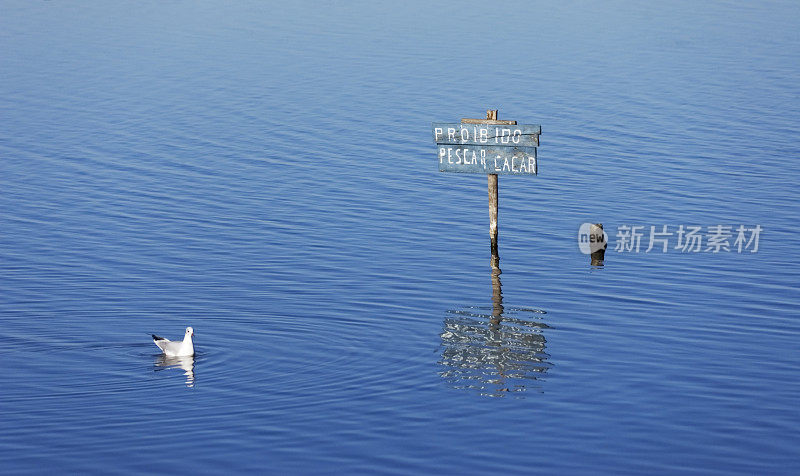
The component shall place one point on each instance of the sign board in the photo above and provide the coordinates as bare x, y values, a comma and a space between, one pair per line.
481, 159
488, 146
486, 134
492, 147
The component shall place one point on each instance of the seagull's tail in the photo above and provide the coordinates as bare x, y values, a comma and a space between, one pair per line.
160, 342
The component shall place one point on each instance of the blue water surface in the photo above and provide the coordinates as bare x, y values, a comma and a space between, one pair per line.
265, 172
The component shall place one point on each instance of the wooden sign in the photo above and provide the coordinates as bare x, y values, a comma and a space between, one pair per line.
487, 147
487, 159
487, 134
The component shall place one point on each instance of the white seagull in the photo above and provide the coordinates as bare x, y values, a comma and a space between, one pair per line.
176, 349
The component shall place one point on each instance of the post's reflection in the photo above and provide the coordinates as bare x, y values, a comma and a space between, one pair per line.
186, 364
495, 352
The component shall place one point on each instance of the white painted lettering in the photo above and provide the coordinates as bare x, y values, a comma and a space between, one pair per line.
516, 136
532, 164
449, 155
505, 165
483, 158
506, 136
451, 134
458, 156
484, 135
442, 153
464, 134
437, 132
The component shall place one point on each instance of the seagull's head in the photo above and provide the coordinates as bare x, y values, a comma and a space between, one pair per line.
189, 331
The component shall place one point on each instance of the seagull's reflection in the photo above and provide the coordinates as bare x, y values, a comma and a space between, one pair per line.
183, 363
494, 350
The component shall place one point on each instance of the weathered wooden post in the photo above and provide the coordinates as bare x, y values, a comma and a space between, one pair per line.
492, 147
491, 115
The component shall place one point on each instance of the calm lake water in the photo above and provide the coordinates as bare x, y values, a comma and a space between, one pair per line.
266, 174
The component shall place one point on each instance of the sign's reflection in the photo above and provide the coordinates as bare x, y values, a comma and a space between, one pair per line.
494, 350
181, 363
